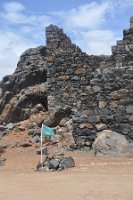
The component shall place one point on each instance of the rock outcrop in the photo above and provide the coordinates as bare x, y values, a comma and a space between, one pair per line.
96, 89
24, 92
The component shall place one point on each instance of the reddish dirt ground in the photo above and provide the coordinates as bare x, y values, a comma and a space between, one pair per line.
92, 179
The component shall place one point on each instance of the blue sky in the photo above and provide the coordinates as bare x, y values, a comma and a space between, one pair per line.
94, 25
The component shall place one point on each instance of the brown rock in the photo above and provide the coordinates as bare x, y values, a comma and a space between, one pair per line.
80, 70
101, 126
63, 78
87, 125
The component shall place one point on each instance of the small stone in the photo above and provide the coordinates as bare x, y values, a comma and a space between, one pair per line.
2, 161
53, 164
88, 88
3, 145
75, 78
10, 126
65, 94
2, 133
102, 104
21, 128
129, 109
67, 162
63, 78
89, 126
34, 132
80, 70
13, 144
130, 118
3, 128
113, 104
35, 139
96, 88
24, 144
101, 126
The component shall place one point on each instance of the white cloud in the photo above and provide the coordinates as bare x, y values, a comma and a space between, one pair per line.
16, 13
88, 16
124, 4
96, 42
21, 30
12, 45
13, 7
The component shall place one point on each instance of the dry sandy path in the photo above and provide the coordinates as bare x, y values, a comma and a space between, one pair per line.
92, 178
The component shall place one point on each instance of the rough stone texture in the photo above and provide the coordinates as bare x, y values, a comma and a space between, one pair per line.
2, 161
97, 89
111, 143
55, 159
24, 92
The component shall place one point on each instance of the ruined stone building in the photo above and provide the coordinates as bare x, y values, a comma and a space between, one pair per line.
97, 89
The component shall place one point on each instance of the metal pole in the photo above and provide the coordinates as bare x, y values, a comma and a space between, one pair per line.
41, 146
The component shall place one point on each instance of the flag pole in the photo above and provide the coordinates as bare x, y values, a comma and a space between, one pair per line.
41, 147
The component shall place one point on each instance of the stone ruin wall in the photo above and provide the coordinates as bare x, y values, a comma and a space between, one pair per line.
99, 89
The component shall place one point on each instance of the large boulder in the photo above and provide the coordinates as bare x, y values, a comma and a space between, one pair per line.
111, 143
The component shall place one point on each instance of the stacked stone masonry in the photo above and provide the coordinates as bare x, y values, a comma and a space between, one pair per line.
99, 89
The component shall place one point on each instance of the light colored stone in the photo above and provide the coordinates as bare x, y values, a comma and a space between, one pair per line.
80, 70
96, 88
114, 104
129, 109
130, 118
63, 78
86, 126
88, 88
102, 104
101, 126
65, 94
110, 143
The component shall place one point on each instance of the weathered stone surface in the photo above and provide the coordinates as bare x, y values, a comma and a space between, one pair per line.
86, 126
102, 104
56, 115
35, 139
55, 160
24, 144
129, 109
10, 126
23, 90
2, 161
101, 126
111, 143
67, 162
3, 128
3, 145
53, 164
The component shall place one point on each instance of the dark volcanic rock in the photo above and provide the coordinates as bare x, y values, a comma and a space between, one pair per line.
24, 92
67, 162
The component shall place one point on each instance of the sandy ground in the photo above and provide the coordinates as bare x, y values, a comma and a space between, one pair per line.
92, 178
